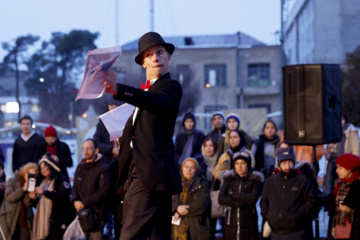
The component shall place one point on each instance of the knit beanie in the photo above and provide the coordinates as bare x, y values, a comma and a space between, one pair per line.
284, 154
192, 160
50, 132
50, 161
349, 161
234, 116
217, 113
243, 155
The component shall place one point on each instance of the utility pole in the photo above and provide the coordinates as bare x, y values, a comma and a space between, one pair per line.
282, 56
117, 22
151, 15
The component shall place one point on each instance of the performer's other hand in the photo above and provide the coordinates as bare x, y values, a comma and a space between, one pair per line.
110, 83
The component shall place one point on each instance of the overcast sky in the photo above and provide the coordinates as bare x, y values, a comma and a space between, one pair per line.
257, 18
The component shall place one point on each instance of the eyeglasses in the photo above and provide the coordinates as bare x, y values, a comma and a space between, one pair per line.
87, 148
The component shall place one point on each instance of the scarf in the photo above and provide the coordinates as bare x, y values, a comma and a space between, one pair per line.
43, 211
51, 149
342, 187
210, 162
188, 146
181, 231
260, 145
342, 217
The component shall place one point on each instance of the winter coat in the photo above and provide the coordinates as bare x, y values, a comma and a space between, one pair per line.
64, 155
239, 195
92, 183
102, 139
286, 202
62, 211
263, 150
352, 141
215, 134
352, 201
198, 218
10, 208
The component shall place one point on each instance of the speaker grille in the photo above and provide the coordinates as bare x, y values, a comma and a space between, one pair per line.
305, 108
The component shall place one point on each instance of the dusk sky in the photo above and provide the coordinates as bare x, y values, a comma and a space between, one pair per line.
257, 18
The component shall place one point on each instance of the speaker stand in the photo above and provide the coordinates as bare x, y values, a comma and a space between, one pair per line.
316, 167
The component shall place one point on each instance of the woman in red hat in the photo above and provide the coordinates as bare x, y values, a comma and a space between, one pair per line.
341, 216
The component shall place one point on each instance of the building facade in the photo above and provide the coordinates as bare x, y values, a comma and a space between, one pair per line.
217, 72
321, 31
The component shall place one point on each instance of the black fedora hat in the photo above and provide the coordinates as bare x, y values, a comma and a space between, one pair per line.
151, 39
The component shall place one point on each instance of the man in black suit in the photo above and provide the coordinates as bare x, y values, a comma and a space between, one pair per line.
146, 159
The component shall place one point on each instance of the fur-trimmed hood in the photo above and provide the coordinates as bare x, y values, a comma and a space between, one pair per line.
253, 175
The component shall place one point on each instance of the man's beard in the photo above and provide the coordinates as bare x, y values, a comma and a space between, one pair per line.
287, 173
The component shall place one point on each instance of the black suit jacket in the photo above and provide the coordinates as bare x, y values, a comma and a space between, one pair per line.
151, 135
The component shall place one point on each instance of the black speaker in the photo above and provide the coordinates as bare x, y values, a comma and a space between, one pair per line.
312, 104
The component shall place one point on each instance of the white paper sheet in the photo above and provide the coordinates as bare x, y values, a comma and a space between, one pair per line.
115, 120
177, 222
98, 61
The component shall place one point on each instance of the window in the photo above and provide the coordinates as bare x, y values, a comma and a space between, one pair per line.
215, 75
259, 74
211, 109
183, 73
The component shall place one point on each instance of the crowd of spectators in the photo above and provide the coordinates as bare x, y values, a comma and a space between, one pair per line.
244, 171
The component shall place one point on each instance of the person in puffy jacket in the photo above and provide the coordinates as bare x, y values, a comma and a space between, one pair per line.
239, 193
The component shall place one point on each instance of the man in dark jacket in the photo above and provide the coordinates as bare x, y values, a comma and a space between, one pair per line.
217, 120
146, 144
92, 182
60, 151
28, 147
287, 200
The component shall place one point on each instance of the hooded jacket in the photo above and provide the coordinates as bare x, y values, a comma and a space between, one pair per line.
239, 195
185, 135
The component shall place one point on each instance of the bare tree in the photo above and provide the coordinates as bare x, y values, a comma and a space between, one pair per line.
17, 55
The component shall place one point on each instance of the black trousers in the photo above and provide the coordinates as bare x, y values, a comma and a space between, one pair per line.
146, 214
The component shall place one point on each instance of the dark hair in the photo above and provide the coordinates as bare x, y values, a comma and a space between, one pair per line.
53, 172
281, 142
270, 121
93, 141
26, 117
215, 144
345, 117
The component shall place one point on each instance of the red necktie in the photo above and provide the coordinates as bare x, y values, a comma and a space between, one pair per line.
145, 86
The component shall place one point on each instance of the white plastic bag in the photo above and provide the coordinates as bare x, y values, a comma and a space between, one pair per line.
74, 231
